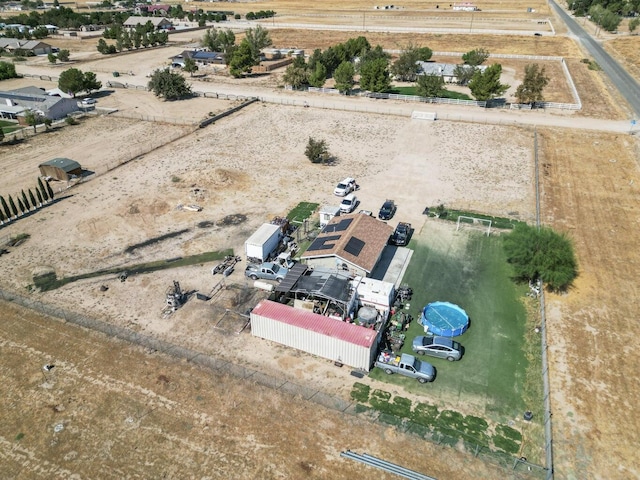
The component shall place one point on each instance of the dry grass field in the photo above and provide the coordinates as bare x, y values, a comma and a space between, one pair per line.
627, 51
591, 184
109, 410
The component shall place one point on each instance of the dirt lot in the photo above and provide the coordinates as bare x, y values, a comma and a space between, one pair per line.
590, 192
233, 177
107, 410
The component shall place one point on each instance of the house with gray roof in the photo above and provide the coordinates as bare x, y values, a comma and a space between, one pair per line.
445, 70
35, 47
16, 103
159, 23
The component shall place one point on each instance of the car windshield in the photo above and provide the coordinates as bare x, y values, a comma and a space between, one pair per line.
275, 268
386, 207
427, 341
346, 201
341, 186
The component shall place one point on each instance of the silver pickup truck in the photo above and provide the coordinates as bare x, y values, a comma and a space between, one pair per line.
406, 365
266, 271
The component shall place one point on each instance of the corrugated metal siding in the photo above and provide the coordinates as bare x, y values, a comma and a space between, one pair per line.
331, 339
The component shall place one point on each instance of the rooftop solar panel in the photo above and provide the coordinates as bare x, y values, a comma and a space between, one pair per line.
323, 243
341, 226
354, 246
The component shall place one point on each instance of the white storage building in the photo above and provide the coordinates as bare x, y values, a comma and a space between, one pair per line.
334, 340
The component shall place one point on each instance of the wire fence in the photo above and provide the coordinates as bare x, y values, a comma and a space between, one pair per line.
224, 367
546, 392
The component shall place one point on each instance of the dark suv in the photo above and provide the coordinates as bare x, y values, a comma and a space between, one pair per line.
387, 210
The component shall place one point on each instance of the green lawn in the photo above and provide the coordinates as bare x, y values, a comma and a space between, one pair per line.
444, 94
8, 127
491, 374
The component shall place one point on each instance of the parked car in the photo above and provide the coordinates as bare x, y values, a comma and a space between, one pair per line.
89, 101
441, 347
348, 203
266, 271
345, 187
366, 212
401, 234
388, 210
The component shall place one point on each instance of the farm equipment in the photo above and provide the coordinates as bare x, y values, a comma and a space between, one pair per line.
175, 297
229, 262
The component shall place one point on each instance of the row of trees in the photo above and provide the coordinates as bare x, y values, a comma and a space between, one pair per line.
9, 210
64, 17
37, 33
63, 55
141, 36
344, 61
239, 58
608, 13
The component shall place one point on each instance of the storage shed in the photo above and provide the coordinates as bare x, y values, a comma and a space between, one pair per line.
60, 169
335, 340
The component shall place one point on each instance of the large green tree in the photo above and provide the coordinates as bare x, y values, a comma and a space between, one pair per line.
533, 84
344, 77
541, 254
318, 75
169, 85
296, 76
486, 85
190, 66
242, 60
257, 38
475, 57
406, 68
220, 41
74, 81
464, 73
430, 85
71, 81
374, 75
90, 82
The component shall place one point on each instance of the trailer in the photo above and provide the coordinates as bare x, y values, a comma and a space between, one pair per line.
263, 243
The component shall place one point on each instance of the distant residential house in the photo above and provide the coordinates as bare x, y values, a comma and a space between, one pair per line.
465, 7
445, 70
36, 47
159, 23
199, 56
159, 10
16, 103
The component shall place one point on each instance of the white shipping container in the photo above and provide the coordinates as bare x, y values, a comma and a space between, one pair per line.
334, 340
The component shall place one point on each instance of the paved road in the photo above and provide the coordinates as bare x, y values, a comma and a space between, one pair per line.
625, 83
